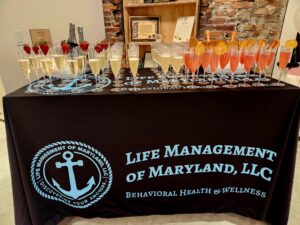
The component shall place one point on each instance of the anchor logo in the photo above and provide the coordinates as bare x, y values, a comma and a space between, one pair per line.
69, 156
74, 192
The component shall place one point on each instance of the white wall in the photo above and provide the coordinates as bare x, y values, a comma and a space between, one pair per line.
288, 31
35, 14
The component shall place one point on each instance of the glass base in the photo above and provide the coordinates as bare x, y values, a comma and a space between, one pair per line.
265, 79
230, 86
277, 84
116, 89
258, 85
192, 87
244, 85
85, 80
247, 79
220, 82
211, 86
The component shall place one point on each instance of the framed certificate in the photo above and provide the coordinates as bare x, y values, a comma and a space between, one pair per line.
143, 28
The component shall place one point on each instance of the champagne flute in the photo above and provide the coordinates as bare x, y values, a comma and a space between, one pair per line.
270, 59
194, 58
234, 62
224, 60
205, 64
102, 61
262, 64
95, 66
165, 61
34, 66
24, 64
214, 63
115, 63
249, 55
133, 55
176, 62
60, 62
73, 65
187, 64
47, 66
284, 58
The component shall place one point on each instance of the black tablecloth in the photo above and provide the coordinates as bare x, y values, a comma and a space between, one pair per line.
152, 152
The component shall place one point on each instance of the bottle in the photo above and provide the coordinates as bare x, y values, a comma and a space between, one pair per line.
72, 36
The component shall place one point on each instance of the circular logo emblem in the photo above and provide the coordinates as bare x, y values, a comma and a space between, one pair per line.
71, 172
54, 86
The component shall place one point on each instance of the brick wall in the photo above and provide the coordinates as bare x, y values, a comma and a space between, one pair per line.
113, 20
250, 18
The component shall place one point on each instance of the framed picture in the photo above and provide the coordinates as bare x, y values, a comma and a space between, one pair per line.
143, 28
38, 35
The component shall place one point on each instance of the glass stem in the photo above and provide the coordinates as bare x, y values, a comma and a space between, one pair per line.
280, 75
212, 78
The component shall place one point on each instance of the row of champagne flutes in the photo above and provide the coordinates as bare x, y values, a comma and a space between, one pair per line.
62, 63
177, 55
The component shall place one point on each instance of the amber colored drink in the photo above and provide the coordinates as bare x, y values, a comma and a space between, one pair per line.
234, 62
262, 62
214, 62
224, 60
248, 62
284, 59
187, 60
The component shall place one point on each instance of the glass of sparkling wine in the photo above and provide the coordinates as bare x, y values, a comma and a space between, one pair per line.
24, 64
73, 65
284, 58
115, 63
81, 58
133, 56
234, 62
94, 62
165, 61
60, 62
47, 66
176, 62
34, 65
224, 60
102, 61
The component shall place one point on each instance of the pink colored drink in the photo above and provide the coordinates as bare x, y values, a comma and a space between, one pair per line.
187, 60
242, 58
248, 62
195, 61
234, 62
214, 62
284, 59
270, 59
262, 62
206, 60
256, 58
224, 60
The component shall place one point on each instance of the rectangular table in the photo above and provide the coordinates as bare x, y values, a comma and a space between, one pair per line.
107, 154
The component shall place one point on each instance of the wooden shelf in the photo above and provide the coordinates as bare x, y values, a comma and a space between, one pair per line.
175, 3
168, 13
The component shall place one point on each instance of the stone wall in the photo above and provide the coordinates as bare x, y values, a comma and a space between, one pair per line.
250, 18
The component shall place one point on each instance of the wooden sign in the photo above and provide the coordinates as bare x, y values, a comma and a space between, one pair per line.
38, 35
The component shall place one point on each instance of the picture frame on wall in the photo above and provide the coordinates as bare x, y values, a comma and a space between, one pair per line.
143, 28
